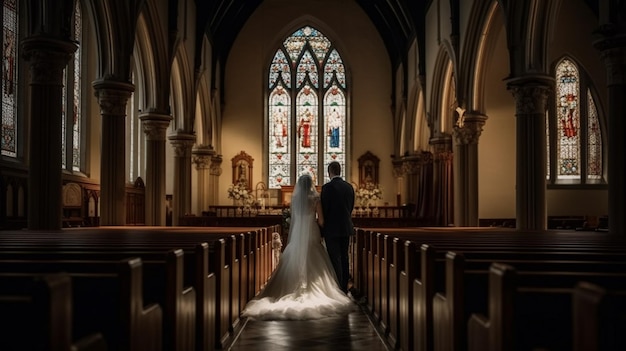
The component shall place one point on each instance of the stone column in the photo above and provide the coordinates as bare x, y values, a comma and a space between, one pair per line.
466, 134
401, 185
202, 159
182, 144
214, 176
443, 183
410, 170
47, 58
531, 94
112, 96
611, 42
155, 125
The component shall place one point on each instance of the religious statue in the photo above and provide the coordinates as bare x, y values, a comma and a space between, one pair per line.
334, 123
304, 128
280, 127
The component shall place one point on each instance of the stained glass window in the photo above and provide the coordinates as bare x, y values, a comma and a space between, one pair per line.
594, 142
70, 138
568, 128
9, 77
307, 108
577, 134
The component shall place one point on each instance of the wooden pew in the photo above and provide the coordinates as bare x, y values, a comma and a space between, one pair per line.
599, 318
36, 314
466, 289
162, 284
385, 263
526, 315
518, 248
145, 242
107, 298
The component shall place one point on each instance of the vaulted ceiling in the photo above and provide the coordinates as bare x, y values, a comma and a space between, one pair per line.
397, 21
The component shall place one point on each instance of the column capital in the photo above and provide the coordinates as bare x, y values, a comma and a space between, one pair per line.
441, 142
410, 166
182, 143
112, 96
397, 168
469, 127
201, 156
216, 165
48, 57
155, 125
531, 93
444, 155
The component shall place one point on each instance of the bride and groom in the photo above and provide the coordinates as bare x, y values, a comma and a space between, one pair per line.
311, 279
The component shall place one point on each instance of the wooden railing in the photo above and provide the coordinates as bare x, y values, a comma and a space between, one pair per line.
381, 216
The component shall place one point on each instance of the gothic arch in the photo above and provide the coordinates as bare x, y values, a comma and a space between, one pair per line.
204, 121
154, 67
115, 24
440, 111
485, 21
183, 92
529, 27
416, 126
277, 169
320, 25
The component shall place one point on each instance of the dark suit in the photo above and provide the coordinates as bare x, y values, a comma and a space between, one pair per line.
337, 199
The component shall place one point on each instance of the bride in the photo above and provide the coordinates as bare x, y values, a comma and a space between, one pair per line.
304, 284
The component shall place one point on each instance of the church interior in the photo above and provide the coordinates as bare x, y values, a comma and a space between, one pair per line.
482, 139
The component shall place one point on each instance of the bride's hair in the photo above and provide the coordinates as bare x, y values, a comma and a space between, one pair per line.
300, 203
305, 183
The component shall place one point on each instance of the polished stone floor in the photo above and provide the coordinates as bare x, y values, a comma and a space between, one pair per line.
350, 332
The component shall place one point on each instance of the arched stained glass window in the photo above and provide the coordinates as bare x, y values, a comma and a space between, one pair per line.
71, 137
307, 109
576, 137
568, 126
9, 77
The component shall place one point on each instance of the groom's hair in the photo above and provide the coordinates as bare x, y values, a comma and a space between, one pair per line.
334, 168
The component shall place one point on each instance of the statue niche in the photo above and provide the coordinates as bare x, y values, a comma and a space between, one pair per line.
242, 169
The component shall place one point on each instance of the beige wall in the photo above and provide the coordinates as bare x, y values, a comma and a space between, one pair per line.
496, 147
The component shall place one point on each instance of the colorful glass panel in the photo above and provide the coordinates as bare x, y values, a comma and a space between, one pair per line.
547, 147
280, 69
307, 129
72, 105
568, 126
63, 121
296, 42
76, 116
334, 70
307, 69
280, 137
300, 144
594, 141
9, 77
335, 127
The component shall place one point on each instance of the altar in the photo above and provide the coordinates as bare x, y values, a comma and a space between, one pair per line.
287, 190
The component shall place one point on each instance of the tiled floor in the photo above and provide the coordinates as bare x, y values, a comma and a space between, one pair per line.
350, 332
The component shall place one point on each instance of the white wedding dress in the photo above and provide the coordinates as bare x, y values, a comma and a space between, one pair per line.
304, 284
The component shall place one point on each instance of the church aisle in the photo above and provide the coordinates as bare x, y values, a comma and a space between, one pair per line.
350, 332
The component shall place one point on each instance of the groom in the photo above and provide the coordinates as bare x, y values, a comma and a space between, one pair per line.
337, 199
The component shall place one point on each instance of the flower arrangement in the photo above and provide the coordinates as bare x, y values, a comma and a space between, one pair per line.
368, 193
240, 193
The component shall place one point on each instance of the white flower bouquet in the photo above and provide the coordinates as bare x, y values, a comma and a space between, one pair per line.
368, 193
240, 193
